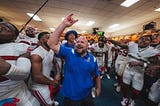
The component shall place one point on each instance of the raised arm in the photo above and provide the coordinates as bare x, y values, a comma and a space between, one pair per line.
53, 41
118, 44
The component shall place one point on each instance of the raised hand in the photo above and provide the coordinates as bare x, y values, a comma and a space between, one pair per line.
57, 77
69, 20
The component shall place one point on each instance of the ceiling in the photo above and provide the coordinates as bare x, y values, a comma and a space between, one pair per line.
103, 12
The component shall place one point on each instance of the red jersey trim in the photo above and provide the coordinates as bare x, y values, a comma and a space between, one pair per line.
9, 57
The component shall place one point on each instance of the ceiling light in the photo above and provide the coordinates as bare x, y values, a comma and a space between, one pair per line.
83, 32
63, 18
90, 23
158, 9
69, 29
52, 29
35, 17
113, 26
128, 3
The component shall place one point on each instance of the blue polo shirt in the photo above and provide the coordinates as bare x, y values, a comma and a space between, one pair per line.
78, 73
67, 45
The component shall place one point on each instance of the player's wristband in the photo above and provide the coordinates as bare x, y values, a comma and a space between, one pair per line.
20, 71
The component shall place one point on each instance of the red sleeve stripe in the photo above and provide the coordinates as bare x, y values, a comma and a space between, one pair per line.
9, 57
25, 42
34, 44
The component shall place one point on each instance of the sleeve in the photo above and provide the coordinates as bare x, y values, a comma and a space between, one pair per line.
21, 48
156, 52
64, 51
39, 52
21, 70
133, 48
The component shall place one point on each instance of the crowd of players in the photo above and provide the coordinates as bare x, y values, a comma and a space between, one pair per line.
136, 65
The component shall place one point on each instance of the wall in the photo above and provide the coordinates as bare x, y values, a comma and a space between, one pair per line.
135, 29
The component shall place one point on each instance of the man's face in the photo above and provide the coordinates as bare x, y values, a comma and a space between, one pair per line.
71, 37
44, 40
7, 33
144, 41
81, 45
101, 44
155, 39
30, 32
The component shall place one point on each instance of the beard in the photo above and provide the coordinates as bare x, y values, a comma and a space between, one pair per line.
101, 45
30, 35
7, 38
46, 45
81, 52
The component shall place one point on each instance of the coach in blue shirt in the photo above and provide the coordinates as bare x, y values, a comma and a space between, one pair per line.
80, 68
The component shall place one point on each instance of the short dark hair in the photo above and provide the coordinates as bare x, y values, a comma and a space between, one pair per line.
42, 34
70, 32
148, 35
149, 26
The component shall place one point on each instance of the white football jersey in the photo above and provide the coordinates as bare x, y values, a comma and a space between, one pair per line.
122, 55
9, 88
140, 53
47, 64
100, 54
31, 42
10, 53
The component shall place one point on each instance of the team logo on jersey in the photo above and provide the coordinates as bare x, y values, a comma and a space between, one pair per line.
88, 59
